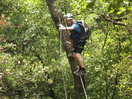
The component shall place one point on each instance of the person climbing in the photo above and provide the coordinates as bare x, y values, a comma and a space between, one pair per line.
78, 42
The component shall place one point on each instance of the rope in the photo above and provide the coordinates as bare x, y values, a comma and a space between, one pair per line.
83, 88
63, 76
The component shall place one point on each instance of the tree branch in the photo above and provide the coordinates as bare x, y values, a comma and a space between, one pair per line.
114, 22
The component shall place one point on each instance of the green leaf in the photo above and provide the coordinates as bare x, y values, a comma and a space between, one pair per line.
121, 10
90, 5
112, 10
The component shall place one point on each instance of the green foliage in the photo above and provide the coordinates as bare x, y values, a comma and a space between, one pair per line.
29, 49
25, 50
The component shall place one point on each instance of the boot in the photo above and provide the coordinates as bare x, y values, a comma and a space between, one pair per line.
81, 72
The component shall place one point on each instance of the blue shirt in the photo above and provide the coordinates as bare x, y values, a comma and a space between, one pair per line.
76, 33
76, 27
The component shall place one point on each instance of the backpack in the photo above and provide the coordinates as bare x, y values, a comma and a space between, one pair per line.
84, 29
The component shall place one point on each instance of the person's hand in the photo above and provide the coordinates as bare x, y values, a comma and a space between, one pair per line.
62, 27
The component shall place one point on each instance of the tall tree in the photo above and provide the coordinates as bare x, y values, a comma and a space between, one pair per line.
57, 18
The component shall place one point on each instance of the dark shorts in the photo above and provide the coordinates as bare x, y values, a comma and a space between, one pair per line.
78, 47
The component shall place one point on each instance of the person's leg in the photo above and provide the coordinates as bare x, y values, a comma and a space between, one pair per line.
78, 59
81, 70
78, 48
75, 62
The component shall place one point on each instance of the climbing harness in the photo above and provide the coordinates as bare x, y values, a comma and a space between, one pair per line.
61, 65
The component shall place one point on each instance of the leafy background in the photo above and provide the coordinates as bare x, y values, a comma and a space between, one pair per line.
30, 49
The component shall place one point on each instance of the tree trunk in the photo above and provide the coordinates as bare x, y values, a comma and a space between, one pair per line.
58, 18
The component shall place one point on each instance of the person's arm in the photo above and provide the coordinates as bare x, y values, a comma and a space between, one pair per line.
66, 28
69, 28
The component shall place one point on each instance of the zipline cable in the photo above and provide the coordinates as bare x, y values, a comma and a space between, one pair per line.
63, 76
83, 87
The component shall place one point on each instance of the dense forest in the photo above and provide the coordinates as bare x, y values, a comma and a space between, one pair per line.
33, 57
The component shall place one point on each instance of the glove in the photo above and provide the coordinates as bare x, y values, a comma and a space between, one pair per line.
62, 27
